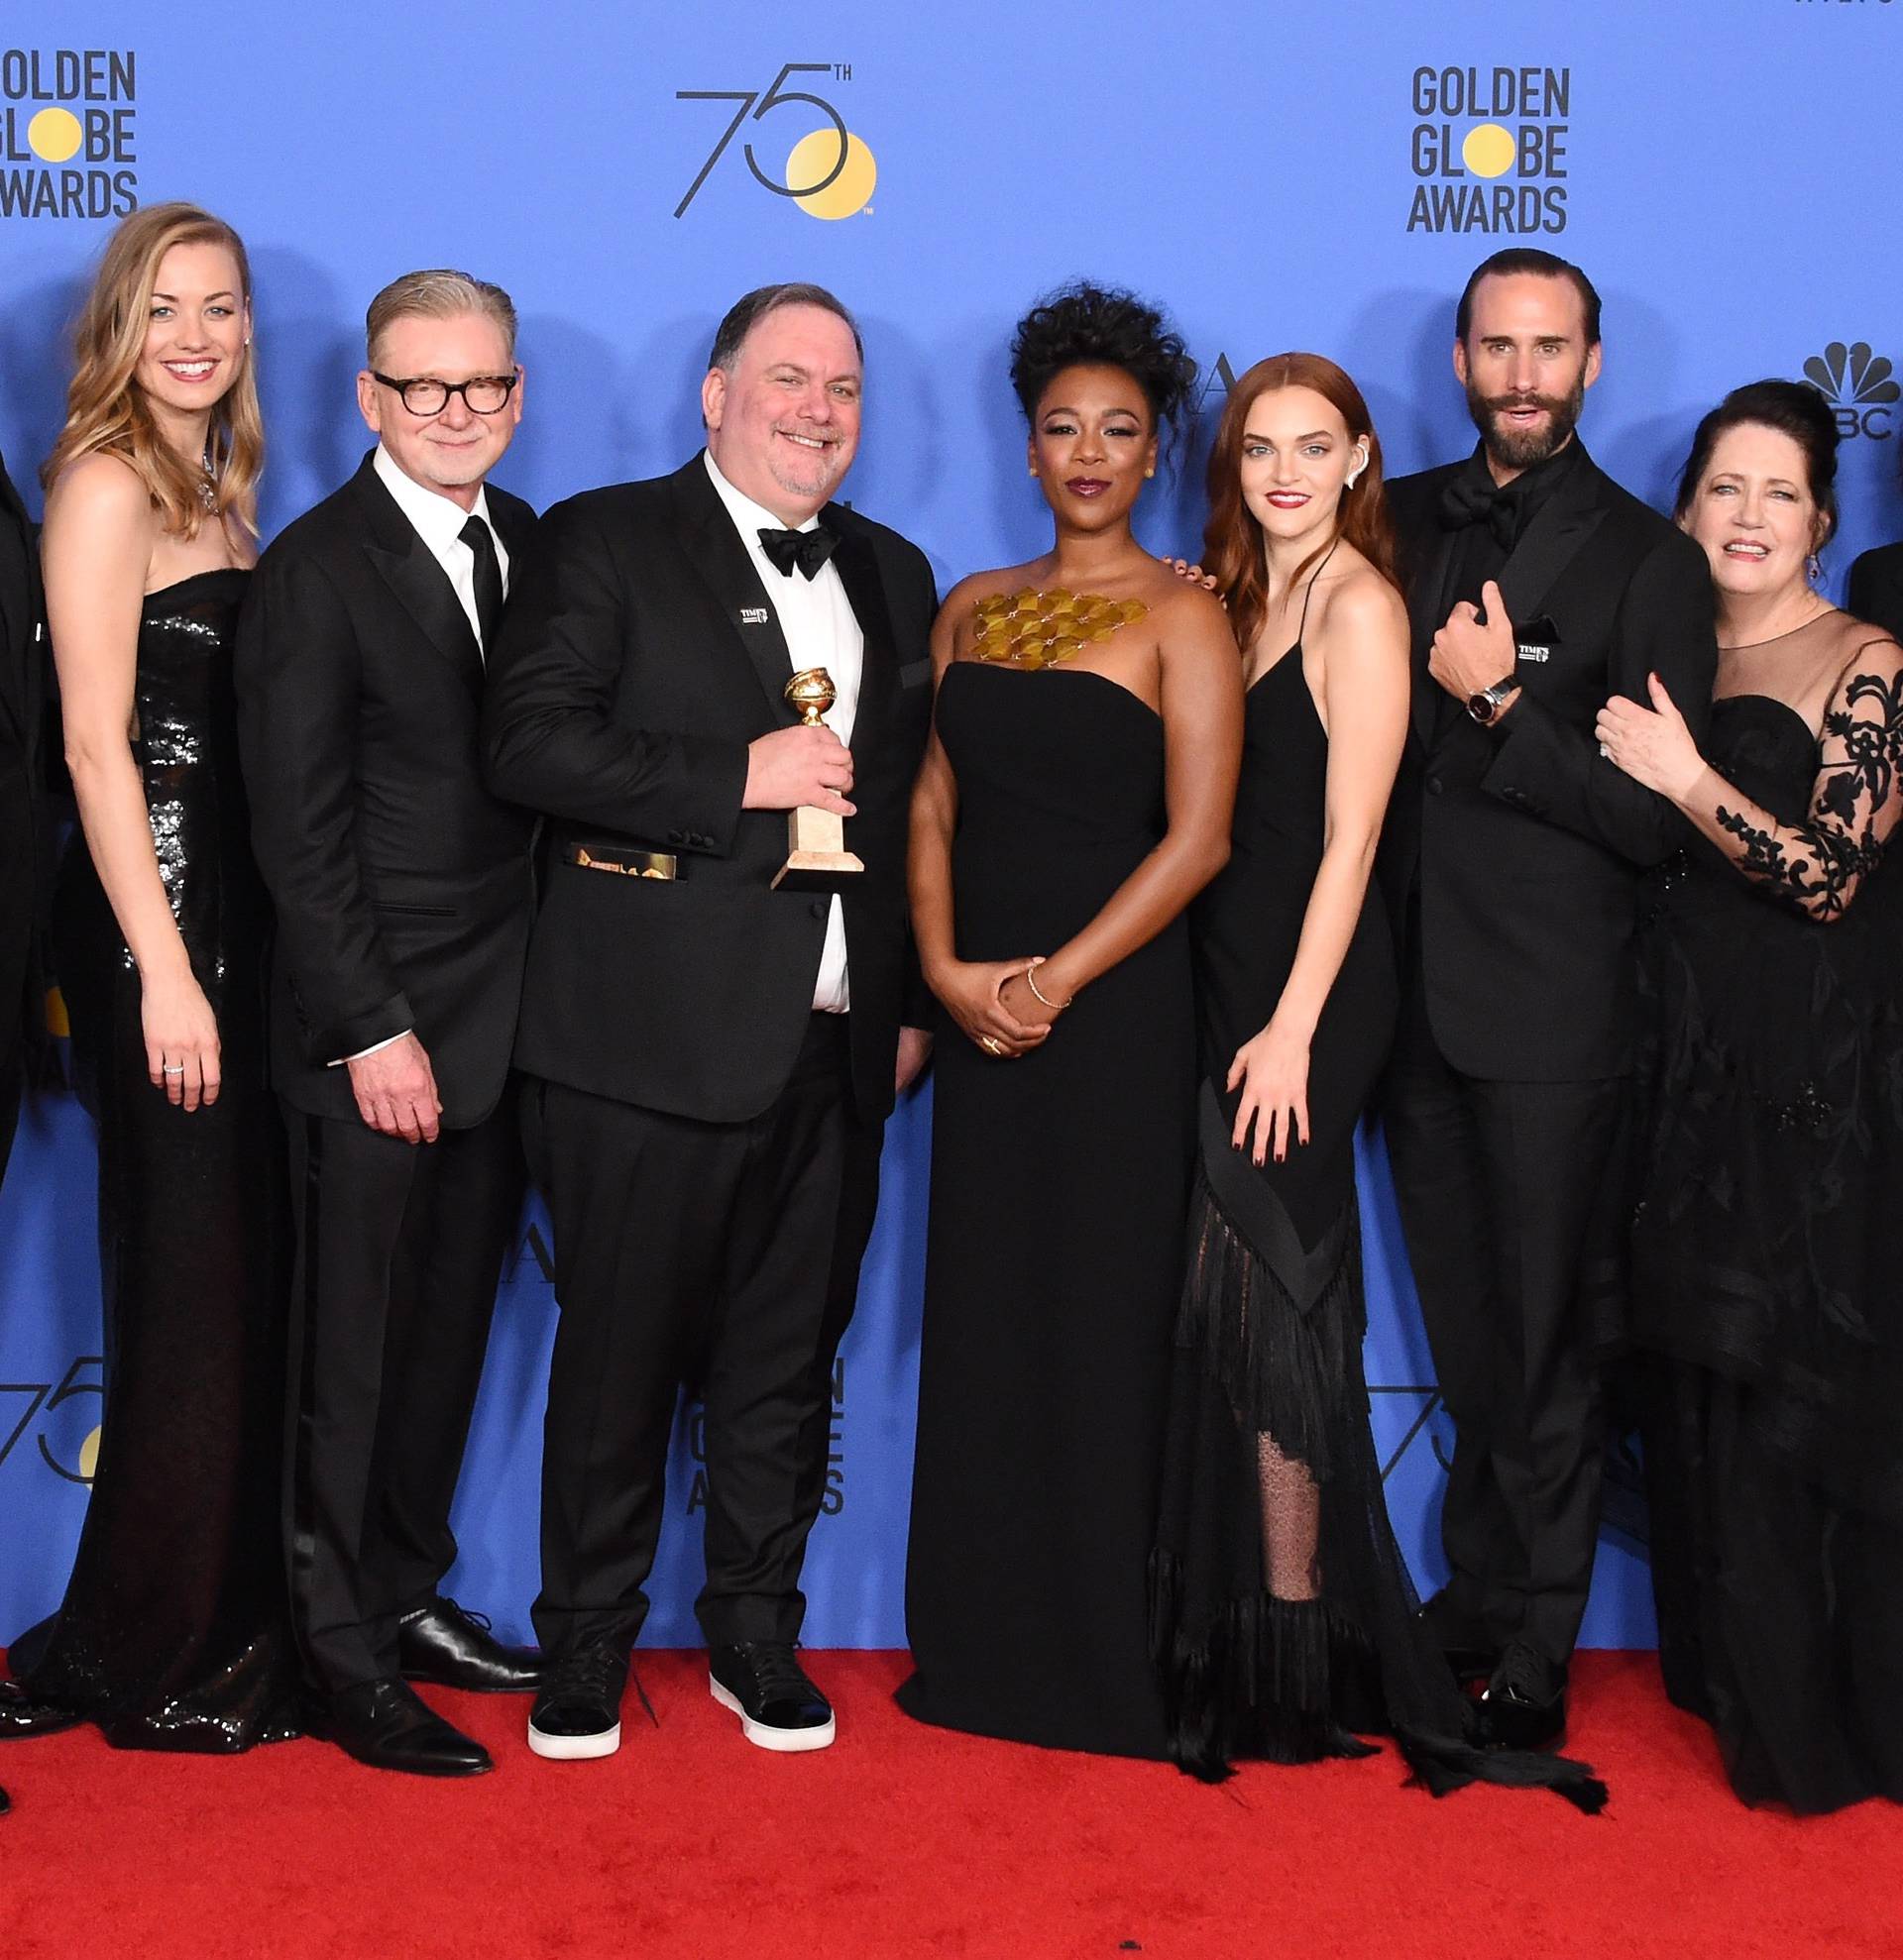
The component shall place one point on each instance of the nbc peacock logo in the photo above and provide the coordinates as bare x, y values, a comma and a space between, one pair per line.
1859, 385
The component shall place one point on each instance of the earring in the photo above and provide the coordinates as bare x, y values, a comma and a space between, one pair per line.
1148, 472
1813, 567
1354, 475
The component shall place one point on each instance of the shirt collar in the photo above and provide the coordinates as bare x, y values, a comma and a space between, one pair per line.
749, 518
432, 517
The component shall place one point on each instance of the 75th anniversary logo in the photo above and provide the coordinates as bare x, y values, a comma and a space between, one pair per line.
828, 172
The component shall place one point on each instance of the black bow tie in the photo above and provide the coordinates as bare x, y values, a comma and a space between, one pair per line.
809, 550
1465, 501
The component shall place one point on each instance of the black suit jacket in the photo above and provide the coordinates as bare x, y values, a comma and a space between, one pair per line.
1876, 588
641, 655
1525, 846
25, 844
403, 889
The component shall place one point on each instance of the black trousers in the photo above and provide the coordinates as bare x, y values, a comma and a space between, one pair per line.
1512, 1198
399, 1247
723, 1253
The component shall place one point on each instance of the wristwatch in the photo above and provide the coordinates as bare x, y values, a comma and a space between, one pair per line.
1485, 707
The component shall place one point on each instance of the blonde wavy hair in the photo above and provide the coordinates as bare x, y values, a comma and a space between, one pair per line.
107, 410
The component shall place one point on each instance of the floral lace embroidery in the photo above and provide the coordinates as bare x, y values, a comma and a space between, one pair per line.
1817, 865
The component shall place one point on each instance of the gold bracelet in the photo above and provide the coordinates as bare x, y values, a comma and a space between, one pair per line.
1031, 981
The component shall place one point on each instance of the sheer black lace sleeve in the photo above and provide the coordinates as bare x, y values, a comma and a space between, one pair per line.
1817, 864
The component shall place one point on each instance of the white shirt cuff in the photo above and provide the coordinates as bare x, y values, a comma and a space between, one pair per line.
344, 1060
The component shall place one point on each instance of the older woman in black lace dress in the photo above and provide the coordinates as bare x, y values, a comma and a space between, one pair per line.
1770, 1231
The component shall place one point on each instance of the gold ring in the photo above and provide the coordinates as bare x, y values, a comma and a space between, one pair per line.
991, 1044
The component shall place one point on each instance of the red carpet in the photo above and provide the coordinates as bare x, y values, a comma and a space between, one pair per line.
902, 1840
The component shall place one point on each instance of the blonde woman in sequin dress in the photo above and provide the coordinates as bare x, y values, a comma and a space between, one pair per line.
174, 1631
1075, 798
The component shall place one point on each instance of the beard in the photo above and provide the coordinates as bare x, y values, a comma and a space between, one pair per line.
1520, 449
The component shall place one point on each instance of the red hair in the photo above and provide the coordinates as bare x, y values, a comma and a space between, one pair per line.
1232, 547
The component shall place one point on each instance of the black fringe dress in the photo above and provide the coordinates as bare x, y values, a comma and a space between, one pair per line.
1270, 1459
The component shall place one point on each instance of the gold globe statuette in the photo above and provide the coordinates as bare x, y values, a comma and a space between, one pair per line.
817, 858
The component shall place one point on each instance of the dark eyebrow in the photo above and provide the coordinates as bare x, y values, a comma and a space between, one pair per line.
1313, 435
222, 293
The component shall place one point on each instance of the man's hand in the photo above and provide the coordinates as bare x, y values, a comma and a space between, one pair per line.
396, 1091
796, 768
1468, 657
915, 1050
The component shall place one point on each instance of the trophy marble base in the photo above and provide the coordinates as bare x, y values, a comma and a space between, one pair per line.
817, 860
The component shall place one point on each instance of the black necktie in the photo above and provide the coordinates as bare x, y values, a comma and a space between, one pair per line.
1465, 501
809, 550
489, 579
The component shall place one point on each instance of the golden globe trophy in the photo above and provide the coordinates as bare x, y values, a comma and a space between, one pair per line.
817, 858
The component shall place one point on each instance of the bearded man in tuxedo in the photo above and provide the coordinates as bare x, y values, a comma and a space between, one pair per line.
1512, 858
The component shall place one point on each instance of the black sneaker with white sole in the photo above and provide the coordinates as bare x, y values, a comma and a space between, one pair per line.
578, 1714
778, 1706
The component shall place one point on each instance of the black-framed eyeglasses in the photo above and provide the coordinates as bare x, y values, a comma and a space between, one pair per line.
482, 395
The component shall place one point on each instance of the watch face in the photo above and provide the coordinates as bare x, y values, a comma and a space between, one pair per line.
1483, 707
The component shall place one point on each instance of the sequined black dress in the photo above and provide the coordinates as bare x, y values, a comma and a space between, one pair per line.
174, 1631
1769, 1246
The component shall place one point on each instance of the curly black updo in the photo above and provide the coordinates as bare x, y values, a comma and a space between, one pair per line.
1085, 325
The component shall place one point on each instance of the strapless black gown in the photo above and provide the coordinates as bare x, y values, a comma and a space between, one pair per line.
175, 1631
1767, 1251
1268, 1346
1058, 1189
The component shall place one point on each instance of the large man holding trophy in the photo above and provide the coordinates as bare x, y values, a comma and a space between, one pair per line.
700, 676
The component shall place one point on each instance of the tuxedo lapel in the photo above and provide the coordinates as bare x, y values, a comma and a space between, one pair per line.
411, 570
515, 523
1560, 528
858, 570
713, 548
1427, 608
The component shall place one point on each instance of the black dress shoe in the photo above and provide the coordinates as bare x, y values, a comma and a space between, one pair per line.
578, 1714
778, 1706
1525, 1706
1463, 1644
443, 1645
23, 1715
387, 1726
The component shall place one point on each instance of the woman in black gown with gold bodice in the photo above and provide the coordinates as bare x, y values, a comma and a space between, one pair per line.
1075, 796
1769, 1238
1282, 1614
172, 1633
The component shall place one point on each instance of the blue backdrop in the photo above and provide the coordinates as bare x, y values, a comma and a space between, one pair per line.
1319, 177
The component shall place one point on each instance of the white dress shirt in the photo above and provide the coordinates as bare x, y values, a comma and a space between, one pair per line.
439, 523
821, 630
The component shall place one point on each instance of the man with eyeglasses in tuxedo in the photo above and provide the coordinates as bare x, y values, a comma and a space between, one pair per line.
404, 897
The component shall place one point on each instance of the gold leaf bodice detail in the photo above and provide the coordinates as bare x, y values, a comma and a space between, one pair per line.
1033, 629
